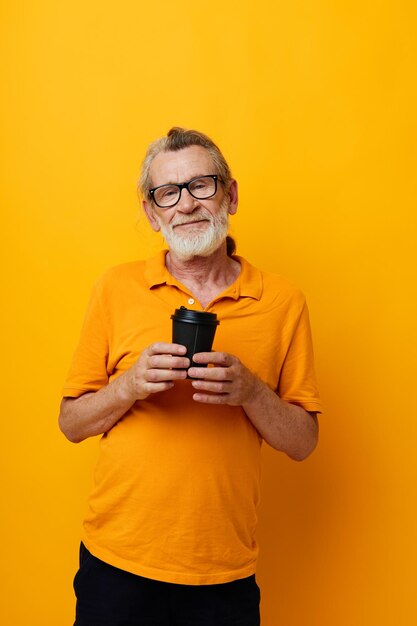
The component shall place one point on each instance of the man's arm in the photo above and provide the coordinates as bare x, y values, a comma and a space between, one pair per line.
94, 413
286, 427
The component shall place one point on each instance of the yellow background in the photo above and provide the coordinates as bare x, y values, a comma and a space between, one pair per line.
314, 104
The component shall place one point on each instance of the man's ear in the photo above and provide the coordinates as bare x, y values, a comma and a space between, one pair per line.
233, 196
150, 214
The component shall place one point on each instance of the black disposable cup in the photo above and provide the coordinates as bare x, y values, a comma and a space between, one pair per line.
195, 330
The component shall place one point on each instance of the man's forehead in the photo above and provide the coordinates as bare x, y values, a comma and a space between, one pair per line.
181, 165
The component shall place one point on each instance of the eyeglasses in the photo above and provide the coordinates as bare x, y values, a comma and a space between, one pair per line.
201, 188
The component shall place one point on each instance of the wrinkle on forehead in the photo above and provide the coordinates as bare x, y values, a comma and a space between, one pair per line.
181, 166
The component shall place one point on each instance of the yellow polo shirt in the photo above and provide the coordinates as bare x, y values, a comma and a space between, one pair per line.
176, 485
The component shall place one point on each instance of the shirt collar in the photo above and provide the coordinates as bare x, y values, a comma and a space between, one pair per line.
248, 283
156, 272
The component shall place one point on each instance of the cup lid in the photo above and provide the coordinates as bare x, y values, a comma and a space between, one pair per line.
195, 317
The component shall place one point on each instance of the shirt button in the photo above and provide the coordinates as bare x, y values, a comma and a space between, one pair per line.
191, 300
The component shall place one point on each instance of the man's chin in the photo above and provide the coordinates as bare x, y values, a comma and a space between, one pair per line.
185, 253
195, 242
191, 254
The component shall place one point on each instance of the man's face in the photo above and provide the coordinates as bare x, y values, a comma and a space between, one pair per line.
192, 227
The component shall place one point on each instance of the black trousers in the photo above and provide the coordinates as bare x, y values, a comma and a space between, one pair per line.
108, 596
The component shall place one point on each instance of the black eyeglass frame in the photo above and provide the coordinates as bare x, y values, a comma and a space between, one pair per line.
186, 185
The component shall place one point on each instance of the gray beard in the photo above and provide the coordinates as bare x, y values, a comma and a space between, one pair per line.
196, 242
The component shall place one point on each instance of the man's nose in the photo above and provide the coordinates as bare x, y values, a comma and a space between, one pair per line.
187, 202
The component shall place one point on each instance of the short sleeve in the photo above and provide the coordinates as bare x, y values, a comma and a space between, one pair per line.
88, 370
297, 382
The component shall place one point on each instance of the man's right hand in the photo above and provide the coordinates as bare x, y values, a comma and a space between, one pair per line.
159, 365
96, 412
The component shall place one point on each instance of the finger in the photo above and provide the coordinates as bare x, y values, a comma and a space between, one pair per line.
215, 387
157, 375
211, 398
216, 358
158, 387
167, 361
166, 348
210, 373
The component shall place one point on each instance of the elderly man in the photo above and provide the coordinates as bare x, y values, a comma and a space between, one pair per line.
169, 534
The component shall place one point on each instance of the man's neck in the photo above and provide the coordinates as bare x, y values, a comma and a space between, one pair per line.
206, 277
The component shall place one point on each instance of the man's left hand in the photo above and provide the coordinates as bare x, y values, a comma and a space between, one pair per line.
228, 381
